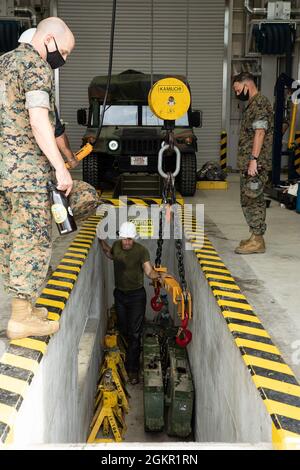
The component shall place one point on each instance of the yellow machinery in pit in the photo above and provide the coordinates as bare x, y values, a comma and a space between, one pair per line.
111, 402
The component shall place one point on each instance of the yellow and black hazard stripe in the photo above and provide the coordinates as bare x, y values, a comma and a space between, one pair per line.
58, 289
297, 152
21, 360
274, 379
223, 150
130, 201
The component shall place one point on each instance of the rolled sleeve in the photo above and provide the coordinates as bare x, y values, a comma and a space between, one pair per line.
260, 124
37, 99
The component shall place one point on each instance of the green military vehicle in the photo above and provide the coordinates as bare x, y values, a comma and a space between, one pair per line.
132, 135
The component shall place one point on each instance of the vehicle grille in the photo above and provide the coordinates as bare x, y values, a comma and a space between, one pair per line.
140, 147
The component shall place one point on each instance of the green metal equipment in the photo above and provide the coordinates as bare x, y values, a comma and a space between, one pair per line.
168, 384
179, 392
153, 381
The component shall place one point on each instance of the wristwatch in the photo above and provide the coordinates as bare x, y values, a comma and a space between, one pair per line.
252, 157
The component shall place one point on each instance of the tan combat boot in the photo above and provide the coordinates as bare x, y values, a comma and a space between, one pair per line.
40, 312
244, 242
256, 245
23, 324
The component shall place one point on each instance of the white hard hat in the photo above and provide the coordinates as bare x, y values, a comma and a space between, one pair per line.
128, 230
27, 35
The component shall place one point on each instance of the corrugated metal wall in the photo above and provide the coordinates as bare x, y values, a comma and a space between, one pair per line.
90, 21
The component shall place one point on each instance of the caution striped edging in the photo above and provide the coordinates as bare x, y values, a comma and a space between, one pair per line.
136, 201
297, 153
273, 378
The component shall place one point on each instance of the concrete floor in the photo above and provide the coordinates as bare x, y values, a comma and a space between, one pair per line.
270, 281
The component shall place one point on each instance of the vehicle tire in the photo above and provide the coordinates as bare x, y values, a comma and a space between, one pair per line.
91, 170
188, 174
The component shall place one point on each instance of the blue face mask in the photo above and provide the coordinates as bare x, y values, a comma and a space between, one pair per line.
55, 59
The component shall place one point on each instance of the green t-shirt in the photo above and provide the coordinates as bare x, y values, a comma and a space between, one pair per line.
128, 266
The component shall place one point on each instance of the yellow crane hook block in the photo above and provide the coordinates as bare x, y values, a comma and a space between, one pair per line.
169, 99
172, 286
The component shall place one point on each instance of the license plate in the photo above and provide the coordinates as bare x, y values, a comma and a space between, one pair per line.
139, 161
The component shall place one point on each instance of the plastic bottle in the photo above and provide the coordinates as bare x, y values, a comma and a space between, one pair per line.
61, 210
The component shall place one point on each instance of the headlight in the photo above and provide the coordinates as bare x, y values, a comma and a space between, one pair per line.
113, 145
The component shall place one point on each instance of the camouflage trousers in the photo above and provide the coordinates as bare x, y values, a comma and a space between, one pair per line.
26, 239
253, 202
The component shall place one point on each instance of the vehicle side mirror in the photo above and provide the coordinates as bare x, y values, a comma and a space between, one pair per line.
82, 117
196, 119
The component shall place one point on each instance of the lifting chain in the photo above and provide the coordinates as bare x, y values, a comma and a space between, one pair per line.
181, 270
156, 302
169, 144
160, 241
184, 335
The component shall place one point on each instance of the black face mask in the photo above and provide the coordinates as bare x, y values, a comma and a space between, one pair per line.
55, 59
243, 96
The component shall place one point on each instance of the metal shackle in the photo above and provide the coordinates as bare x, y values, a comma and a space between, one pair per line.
160, 160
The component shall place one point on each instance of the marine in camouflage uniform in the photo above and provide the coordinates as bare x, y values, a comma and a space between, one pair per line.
25, 240
257, 113
25, 216
254, 159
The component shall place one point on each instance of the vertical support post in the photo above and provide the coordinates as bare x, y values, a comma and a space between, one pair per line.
223, 151
297, 152
292, 125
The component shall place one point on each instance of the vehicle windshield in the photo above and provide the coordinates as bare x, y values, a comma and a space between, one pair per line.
149, 119
116, 115
127, 115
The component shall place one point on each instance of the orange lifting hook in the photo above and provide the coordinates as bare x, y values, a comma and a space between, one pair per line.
184, 335
169, 283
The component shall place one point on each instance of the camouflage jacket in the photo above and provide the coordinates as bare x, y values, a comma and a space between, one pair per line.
23, 74
258, 114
